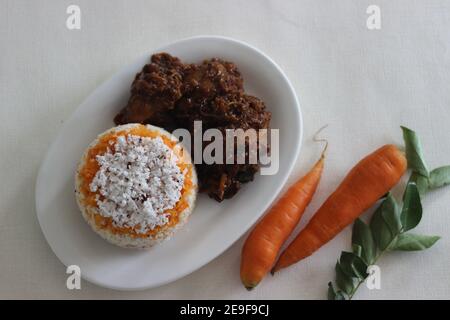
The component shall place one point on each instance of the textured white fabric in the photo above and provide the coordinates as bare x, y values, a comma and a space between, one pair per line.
363, 83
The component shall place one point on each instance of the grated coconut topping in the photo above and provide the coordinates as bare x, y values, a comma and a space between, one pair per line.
137, 182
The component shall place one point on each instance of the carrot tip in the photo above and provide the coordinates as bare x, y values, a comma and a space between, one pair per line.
274, 269
249, 285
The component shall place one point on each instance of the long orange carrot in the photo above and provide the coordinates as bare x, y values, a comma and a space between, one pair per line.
264, 242
367, 182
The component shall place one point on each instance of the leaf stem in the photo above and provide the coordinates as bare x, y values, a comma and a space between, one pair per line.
380, 253
350, 296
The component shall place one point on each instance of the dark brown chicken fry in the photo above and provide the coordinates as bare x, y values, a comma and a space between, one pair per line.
170, 94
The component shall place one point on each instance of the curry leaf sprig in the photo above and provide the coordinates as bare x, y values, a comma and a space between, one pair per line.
425, 179
389, 225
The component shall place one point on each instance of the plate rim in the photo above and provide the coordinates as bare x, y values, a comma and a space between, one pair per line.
247, 226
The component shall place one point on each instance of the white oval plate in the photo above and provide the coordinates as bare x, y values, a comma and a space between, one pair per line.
213, 226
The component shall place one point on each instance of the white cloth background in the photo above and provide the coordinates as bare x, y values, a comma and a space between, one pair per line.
363, 83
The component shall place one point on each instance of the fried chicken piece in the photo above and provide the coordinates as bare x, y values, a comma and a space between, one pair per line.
203, 83
239, 110
211, 78
154, 91
231, 111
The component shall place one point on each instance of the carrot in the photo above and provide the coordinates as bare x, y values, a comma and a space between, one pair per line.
264, 242
366, 183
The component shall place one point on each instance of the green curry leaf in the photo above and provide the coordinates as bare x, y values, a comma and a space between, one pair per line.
412, 207
414, 154
414, 242
363, 238
440, 177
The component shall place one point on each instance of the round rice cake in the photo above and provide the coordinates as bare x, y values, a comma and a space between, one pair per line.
135, 185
